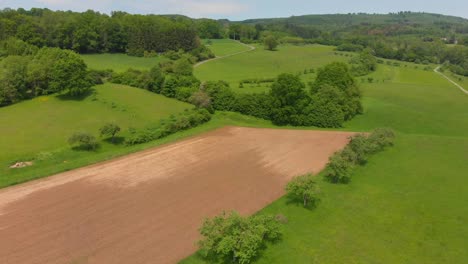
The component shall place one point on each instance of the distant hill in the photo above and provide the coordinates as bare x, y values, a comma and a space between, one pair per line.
362, 18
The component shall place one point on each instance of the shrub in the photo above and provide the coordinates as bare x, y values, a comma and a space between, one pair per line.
83, 140
183, 121
304, 188
231, 238
110, 129
338, 169
381, 138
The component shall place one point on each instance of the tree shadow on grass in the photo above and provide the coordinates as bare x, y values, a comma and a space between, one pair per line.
116, 141
293, 200
81, 97
83, 148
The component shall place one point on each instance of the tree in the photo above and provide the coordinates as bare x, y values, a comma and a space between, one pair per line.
289, 99
13, 79
304, 188
110, 129
338, 169
270, 42
201, 100
83, 140
233, 238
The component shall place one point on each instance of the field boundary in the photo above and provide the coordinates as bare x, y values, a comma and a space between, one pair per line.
251, 48
436, 70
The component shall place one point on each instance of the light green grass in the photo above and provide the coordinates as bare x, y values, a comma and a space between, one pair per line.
120, 62
223, 47
408, 204
46, 122
262, 63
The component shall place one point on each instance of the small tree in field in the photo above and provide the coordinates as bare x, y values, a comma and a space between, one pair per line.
270, 43
110, 129
231, 238
83, 140
304, 188
339, 168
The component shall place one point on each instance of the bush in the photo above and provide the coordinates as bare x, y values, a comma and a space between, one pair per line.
166, 127
231, 238
83, 140
338, 169
110, 129
380, 139
304, 188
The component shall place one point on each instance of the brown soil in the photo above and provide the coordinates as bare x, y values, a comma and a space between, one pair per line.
147, 207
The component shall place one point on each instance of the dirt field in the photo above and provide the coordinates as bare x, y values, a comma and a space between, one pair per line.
147, 207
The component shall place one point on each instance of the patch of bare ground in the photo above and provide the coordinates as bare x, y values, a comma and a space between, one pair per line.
147, 207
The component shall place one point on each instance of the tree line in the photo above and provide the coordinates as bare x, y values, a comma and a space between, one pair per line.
93, 32
27, 71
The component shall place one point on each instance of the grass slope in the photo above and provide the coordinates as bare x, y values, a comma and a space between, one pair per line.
408, 204
223, 47
261, 63
45, 123
120, 62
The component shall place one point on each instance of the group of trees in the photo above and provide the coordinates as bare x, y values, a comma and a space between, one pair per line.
340, 166
86, 141
93, 32
333, 98
27, 71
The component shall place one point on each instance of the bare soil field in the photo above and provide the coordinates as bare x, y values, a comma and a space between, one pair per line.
147, 207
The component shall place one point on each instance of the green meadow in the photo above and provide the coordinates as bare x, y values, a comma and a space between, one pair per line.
407, 204
223, 47
39, 128
120, 62
261, 63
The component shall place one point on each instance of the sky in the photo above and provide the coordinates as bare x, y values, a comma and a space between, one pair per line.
245, 9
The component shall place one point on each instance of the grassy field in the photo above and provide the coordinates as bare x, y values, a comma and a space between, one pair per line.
408, 204
120, 62
223, 47
261, 63
43, 125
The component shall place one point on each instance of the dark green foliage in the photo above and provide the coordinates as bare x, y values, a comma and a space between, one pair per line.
110, 129
231, 238
258, 105
14, 85
202, 53
326, 108
289, 99
270, 42
364, 64
50, 70
305, 189
338, 75
166, 127
223, 97
350, 47
84, 141
13, 46
340, 166
93, 32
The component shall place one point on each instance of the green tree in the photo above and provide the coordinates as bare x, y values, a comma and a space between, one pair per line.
83, 140
201, 99
270, 42
304, 188
235, 239
110, 129
339, 169
14, 85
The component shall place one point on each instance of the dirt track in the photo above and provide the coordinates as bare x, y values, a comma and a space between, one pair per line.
146, 207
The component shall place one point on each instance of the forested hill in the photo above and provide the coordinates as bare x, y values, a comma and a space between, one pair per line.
362, 18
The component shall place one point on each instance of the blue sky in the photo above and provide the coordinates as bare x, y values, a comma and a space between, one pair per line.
243, 9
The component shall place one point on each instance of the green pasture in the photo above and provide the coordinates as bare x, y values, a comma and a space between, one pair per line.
223, 47
261, 63
120, 62
44, 124
408, 204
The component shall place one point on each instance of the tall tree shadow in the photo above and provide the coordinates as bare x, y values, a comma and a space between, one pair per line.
81, 97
